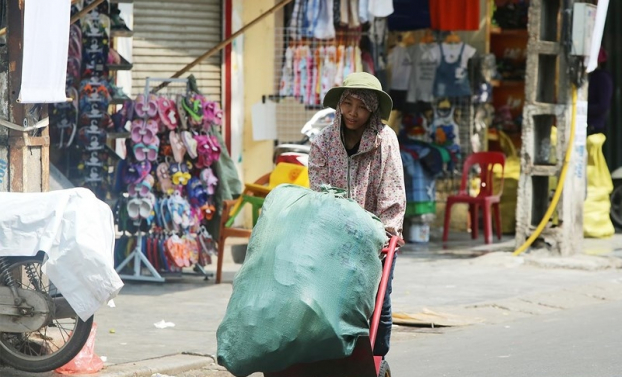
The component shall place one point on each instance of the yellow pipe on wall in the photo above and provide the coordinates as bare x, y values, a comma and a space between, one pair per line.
560, 182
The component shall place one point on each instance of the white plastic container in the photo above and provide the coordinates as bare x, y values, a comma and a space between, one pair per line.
419, 233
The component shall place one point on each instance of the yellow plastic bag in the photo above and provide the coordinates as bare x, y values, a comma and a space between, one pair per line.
507, 205
596, 220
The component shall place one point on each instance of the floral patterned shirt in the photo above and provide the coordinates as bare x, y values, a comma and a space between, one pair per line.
374, 176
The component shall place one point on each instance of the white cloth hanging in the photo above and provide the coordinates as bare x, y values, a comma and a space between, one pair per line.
325, 27
46, 42
364, 10
380, 8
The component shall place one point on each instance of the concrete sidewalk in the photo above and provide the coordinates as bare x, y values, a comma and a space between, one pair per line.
467, 280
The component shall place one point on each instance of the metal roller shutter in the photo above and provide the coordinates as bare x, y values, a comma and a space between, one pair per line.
170, 34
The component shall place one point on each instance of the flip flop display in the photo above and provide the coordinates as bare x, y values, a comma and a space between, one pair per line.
167, 176
165, 187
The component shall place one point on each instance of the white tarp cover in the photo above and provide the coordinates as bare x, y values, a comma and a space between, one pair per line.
76, 230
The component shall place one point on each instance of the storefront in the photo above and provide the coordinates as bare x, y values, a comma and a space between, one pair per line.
161, 160
474, 104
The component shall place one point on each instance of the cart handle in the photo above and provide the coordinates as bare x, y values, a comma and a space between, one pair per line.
390, 252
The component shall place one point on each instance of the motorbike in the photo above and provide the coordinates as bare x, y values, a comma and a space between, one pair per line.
39, 331
56, 271
298, 152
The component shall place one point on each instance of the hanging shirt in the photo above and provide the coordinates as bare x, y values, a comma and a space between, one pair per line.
325, 28
451, 78
401, 65
381, 8
344, 12
409, 15
329, 70
304, 52
296, 20
452, 15
425, 60
310, 75
364, 11
341, 56
297, 72
287, 74
368, 63
358, 59
349, 10
444, 130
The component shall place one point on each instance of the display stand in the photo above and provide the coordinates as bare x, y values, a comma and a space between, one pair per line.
139, 260
137, 256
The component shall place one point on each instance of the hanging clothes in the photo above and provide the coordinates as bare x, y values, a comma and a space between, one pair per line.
425, 58
349, 13
296, 20
451, 79
330, 70
296, 65
339, 76
364, 11
409, 15
444, 131
401, 64
358, 59
377, 33
380, 8
302, 66
311, 18
287, 74
325, 28
452, 15
337, 12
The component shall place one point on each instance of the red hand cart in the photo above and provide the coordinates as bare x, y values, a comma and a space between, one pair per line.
362, 362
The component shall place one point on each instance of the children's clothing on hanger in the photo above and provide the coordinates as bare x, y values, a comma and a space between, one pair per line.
425, 58
401, 64
444, 131
451, 79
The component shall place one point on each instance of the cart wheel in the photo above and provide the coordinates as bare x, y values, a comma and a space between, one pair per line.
385, 371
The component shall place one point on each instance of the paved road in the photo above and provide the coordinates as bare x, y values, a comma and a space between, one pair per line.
572, 343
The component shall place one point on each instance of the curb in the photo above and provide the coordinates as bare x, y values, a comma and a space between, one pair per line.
168, 365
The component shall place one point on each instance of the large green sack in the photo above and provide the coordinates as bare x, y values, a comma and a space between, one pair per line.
308, 284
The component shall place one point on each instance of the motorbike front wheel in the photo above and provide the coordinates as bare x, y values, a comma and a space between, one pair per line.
51, 346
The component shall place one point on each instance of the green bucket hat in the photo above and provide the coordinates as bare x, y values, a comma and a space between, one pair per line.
361, 80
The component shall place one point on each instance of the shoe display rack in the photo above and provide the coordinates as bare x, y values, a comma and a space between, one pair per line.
79, 129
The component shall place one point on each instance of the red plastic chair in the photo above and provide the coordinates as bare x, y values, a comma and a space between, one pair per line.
485, 198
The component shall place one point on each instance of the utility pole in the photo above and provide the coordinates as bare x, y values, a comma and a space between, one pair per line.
24, 157
548, 103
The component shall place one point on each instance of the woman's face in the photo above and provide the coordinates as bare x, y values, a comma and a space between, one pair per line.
354, 113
